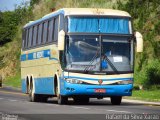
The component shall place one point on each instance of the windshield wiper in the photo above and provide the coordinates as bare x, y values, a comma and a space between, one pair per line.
90, 63
111, 64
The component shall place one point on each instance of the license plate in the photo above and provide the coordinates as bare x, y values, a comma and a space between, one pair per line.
100, 90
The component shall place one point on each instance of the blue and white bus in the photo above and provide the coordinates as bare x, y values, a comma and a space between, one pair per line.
79, 53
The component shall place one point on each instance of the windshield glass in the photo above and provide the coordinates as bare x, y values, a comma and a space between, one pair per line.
116, 54
82, 53
93, 53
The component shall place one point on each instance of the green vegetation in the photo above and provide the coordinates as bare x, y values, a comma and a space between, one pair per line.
14, 81
145, 13
147, 95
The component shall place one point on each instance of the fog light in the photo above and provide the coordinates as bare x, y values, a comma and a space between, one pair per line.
124, 82
74, 81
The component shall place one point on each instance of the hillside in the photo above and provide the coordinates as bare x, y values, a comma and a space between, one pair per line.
145, 13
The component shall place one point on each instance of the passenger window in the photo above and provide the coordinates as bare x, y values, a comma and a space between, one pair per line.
45, 25
34, 36
23, 38
39, 34
56, 29
30, 37
26, 41
50, 31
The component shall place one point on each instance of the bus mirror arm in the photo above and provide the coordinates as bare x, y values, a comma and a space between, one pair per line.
61, 40
139, 42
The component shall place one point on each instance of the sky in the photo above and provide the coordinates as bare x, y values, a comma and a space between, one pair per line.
9, 5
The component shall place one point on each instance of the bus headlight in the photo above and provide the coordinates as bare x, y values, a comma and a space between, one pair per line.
124, 82
74, 81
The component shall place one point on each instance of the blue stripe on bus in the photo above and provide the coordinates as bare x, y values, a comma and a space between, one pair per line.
46, 86
23, 57
24, 86
30, 56
98, 79
82, 89
42, 85
37, 55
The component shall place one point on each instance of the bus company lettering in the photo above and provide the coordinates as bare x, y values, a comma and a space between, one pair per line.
39, 54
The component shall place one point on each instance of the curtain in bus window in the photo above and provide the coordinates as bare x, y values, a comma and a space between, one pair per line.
114, 25
83, 25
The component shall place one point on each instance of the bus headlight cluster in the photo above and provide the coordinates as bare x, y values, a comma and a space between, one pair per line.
124, 82
74, 81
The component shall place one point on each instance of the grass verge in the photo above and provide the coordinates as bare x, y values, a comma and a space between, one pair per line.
146, 95
14, 81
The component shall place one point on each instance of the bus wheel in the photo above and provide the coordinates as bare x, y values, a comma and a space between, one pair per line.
81, 100
62, 100
116, 100
32, 96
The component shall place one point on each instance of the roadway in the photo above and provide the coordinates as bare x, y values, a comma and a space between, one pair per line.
13, 102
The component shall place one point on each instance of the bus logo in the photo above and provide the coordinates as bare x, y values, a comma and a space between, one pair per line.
100, 81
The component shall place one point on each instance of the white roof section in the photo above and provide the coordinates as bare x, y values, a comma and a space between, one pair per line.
82, 12
95, 11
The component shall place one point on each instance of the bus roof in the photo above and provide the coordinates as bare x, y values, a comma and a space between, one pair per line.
81, 11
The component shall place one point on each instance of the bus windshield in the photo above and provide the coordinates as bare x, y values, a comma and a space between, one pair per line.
99, 44
94, 53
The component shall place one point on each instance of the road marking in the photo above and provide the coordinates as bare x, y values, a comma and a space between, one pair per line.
1, 98
12, 100
13, 93
49, 104
81, 107
118, 111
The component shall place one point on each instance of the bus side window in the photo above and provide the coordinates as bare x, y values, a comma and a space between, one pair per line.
30, 37
42, 34
56, 29
50, 30
39, 33
23, 38
34, 35
26, 41
45, 25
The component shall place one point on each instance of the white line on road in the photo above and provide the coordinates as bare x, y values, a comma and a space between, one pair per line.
81, 107
12, 100
54, 105
1, 98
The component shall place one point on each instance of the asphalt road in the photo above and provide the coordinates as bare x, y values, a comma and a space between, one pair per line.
14, 104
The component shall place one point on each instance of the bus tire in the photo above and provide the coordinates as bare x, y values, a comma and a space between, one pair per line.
116, 100
32, 96
62, 100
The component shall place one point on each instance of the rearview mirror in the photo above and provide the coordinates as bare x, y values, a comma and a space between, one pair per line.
139, 41
61, 39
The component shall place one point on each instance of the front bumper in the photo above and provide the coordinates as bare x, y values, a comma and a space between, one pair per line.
69, 89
